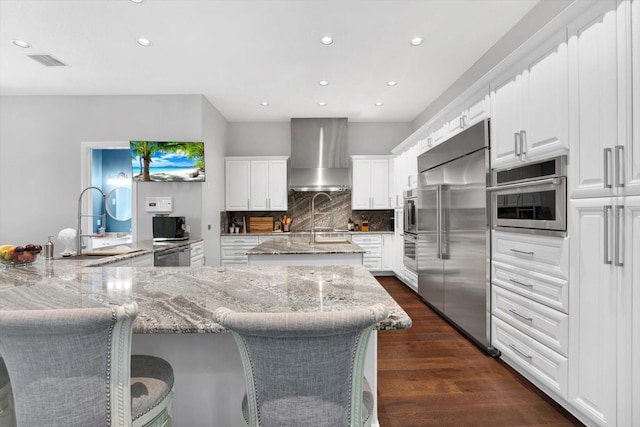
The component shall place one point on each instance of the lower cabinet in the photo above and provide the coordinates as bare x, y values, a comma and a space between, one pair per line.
529, 307
372, 244
233, 249
197, 254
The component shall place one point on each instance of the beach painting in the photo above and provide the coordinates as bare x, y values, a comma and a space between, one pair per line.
167, 161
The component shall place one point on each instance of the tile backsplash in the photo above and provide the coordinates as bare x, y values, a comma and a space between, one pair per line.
299, 203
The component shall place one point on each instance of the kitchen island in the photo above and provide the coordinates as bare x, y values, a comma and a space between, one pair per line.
300, 251
176, 306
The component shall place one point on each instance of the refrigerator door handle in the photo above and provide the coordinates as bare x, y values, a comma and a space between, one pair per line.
444, 227
439, 221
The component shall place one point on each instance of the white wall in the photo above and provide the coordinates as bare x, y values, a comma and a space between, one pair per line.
274, 138
40, 140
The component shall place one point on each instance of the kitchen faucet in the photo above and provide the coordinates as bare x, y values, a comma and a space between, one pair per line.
79, 234
313, 215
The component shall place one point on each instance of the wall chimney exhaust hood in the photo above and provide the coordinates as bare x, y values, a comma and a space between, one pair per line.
319, 155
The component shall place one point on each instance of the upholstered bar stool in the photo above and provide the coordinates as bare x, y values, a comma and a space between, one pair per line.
74, 368
304, 369
6, 404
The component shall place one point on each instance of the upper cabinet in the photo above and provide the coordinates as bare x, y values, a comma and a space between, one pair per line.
256, 184
604, 70
370, 189
530, 107
474, 109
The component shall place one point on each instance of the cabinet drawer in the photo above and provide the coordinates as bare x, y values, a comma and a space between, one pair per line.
548, 290
526, 354
234, 252
372, 251
372, 263
366, 238
197, 249
240, 241
542, 323
545, 254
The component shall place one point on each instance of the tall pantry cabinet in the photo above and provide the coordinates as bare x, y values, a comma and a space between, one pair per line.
604, 213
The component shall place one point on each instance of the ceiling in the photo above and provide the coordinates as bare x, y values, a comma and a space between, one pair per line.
238, 53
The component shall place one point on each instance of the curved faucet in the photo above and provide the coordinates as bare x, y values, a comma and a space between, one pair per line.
79, 234
313, 215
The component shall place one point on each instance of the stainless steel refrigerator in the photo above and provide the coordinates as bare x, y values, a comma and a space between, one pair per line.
454, 249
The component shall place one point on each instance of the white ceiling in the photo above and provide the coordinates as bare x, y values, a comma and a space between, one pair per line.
238, 53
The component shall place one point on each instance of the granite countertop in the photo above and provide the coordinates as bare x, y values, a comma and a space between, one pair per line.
300, 245
183, 299
306, 233
137, 249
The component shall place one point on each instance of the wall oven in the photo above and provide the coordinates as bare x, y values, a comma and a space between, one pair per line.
410, 229
531, 198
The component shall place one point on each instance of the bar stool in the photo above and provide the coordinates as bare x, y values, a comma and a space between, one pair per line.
73, 367
304, 369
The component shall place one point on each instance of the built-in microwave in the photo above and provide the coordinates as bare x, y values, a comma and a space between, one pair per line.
531, 197
169, 228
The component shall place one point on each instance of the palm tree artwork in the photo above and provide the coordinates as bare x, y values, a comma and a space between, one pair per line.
167, 161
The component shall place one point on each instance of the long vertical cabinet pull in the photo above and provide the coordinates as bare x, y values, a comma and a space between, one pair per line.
516, 144
607, 209
607, 159
619, 236
619, 178
523, 142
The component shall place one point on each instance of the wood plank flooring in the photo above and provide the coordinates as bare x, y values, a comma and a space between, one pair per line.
430, 375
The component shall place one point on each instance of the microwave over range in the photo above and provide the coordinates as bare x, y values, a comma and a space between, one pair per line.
168, 228
531, 198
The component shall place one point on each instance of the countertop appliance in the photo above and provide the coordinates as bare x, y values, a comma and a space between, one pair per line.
531, 198
174, 257
453, 249
167, 228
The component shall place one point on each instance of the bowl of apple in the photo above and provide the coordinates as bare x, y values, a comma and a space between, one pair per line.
19, 255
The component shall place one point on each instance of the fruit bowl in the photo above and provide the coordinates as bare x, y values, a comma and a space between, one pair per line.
19, 255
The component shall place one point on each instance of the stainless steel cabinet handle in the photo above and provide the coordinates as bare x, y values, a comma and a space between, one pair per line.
520, 283
528, 319
521, 252
607, 209
523, 142
607, 158
619, 178
516, 143
619, 236
514, 348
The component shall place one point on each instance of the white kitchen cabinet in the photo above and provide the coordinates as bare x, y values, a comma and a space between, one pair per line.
197, 254
631, 317
372, 244
529, 106
595, 81
473, 109
256, 184
145, 260
370, 188
388, 241
233, 249
268, 185
632, 150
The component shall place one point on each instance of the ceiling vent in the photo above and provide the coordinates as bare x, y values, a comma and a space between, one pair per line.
47, 60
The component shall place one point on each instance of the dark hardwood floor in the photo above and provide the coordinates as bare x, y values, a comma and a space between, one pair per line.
430, 375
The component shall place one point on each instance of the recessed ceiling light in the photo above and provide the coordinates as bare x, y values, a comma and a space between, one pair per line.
378, 104
416, 41
392, 83
322, 104
323, 82
144, 42
326, 40
21, 44
264, 103
137, 1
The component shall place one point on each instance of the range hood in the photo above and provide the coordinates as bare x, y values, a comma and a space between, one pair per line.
319, 155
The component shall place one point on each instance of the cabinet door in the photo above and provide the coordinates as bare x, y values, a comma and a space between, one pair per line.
593, 306
259, 185
632, 288
380, 184
506, 113
454, 121
545, 100
361, 191
632, 151
237, 185
278, 185
593, 94
387, 251
476, 107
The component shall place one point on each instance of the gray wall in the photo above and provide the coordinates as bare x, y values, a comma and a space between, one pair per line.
274, 139
40, 139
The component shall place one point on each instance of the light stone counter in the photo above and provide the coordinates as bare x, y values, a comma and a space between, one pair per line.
176, 306
301, 245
